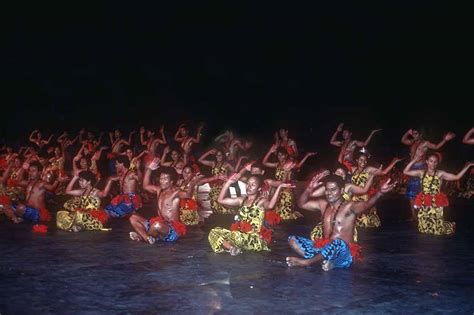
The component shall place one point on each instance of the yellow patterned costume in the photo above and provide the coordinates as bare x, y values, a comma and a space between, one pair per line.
284, 206
431, 202
245, 233
216, 190
369, 219
79, 213
188, 208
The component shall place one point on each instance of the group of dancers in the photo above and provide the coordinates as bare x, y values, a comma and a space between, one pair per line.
168, 174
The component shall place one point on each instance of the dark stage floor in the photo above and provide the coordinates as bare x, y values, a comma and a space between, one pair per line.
403, 272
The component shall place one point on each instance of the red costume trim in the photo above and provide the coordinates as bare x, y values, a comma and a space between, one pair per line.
45, 215
100, 215
12, 182
40, 228
136, 200
272, 217
427, 200
353, 247
189, 204
179, 227
5, 200
266, 234
241, 226
348, 165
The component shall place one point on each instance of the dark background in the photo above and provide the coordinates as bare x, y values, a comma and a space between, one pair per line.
253, 68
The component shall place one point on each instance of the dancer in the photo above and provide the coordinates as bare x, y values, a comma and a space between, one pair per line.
336, 250
431, 201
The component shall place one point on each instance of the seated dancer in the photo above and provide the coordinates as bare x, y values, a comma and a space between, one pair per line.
83, 212
83, 162
34, 209
117, 147
65, 142
219, 167
418, 147
282, 140
284, 168
469, 137
336, 249
430, 201
251, 231
128, 201
166, 226
348, 145
55, 168
360, 175
90, 142
317, 189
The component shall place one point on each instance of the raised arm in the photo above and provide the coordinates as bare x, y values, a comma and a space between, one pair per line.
450, 177
177, 135
222, 137
197, 139
163, 138
413, 173
31, 138
357, 190
366, 142
166, 150
226, 201
333, 140
380, 172
468, 139
142, 136
447, 137
104, 193
406, 138
70, 187
202, 158
267, 156
146, 179
298, 166
49, 139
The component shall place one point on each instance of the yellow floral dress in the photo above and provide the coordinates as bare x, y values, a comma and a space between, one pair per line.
368, 219
216, 188
247, 232
83, 212
284, 206
431, 202
188, 208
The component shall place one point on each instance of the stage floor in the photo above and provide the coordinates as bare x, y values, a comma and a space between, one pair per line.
402, 272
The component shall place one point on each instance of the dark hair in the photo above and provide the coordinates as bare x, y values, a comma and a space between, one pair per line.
122, 159
88, 176
170, 171
282, 150
37, 164
334, 179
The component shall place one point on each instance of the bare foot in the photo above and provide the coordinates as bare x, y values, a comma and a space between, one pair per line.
296, 261
17, 220
151, 240
134, 236
299, 214
234, 251
327, 265
76, 228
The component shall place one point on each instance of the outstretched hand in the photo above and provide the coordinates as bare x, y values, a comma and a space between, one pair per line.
316, 180
154, 164
448, 136
386, 187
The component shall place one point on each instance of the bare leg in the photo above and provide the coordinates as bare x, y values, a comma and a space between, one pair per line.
139, 225
296, 261
15, 217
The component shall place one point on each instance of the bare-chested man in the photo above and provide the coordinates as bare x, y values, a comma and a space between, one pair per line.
418, 148
348, 145
34, 209
338, 218
166, 226
128, 201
